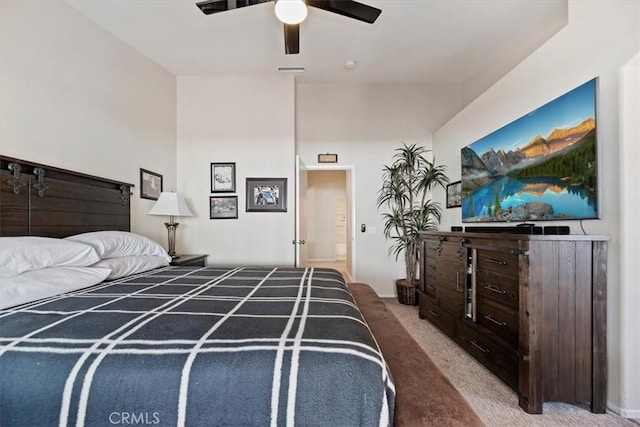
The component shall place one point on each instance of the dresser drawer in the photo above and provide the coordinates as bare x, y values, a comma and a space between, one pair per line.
499, 359
429, 309
501, 289
429, 285
501, 320
500, 263
431, 248
451, 301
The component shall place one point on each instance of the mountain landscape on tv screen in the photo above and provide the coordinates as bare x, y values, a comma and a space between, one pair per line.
546, 178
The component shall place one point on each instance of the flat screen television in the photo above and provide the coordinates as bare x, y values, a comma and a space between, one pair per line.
543, 166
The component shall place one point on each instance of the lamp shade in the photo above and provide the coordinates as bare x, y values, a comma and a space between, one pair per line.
172, 204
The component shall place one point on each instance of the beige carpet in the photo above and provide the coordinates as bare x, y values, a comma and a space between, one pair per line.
493, 401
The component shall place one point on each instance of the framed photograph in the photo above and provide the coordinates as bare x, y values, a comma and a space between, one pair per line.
223, 177
454, 194
150, 184
223, 207
327, 158
266, 194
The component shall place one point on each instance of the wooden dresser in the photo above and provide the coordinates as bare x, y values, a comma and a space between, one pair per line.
531, 308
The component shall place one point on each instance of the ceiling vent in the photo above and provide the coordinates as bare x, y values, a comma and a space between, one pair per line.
291, 69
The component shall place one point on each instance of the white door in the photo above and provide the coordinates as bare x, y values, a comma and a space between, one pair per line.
341, 228
301, 213
351, 219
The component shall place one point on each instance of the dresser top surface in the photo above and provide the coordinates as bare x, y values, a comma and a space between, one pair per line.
515, 236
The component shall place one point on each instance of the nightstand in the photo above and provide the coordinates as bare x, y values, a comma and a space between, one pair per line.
192, 260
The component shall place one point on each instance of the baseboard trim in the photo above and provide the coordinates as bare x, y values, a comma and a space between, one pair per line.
627, 413
613, 408
630, 413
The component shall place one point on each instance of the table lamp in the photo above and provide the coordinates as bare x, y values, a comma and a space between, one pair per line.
171, 204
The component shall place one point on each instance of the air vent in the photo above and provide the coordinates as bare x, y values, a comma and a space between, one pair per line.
291, 69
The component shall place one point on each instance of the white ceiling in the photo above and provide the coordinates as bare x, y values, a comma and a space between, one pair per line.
417, 41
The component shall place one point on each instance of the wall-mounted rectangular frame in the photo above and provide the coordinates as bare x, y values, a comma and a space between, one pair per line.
223, 207
327, 158
454, 194
150, 184
266, 195
223, 177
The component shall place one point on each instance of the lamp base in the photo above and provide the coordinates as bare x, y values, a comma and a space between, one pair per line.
171, 231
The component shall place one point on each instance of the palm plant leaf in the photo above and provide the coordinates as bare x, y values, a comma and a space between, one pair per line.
406, 187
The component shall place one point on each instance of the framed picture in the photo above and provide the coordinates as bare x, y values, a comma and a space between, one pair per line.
327, 158
223, 177
454, 194
150, 184
223, 207
266, 194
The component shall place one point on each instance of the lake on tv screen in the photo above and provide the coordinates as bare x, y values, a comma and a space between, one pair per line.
511, 199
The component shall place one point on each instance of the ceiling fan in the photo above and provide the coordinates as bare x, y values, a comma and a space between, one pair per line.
293, 12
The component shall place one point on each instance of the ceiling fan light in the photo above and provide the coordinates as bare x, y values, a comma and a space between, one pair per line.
291, 11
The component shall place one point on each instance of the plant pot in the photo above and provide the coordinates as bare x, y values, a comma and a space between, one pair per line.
407, 293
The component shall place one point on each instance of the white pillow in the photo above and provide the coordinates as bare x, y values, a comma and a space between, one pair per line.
128, 265
27, 253
47, 282
113, 244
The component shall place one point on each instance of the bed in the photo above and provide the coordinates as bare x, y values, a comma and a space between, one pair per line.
175, 345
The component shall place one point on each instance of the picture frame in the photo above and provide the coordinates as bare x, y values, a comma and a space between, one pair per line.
327, 158
223, 177
150, 184
454, 194
266, 194
223, 207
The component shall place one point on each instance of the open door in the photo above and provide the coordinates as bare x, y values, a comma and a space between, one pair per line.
351, 229
301, 213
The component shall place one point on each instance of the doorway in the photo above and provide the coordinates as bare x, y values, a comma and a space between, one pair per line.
328, 214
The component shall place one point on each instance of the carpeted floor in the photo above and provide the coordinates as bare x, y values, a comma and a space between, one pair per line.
492, 400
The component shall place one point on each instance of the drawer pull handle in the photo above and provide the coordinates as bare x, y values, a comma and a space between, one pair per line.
434, 314
496, 261
482, 349
497, 322
494, 288
431, 287
458, 282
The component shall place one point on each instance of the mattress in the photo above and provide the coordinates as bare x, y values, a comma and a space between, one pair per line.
195, 346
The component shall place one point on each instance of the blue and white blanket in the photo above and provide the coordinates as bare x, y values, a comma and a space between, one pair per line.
196, 347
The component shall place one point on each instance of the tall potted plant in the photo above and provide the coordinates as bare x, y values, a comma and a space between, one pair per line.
406, 191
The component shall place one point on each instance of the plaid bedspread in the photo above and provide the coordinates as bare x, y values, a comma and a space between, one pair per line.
197, 347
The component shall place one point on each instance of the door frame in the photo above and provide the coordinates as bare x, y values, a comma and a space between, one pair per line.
351, 204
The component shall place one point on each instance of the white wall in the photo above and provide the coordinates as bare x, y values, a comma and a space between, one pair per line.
75, 97
364, 124
248, 120
478, 83
600, 38
630, 236
323, 188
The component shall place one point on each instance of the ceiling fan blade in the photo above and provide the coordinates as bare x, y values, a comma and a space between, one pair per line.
351, 9
291, 39
214, 6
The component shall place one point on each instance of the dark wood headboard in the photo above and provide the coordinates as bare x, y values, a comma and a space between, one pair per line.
41, 200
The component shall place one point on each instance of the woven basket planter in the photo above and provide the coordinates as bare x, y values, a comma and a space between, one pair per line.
407, 294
